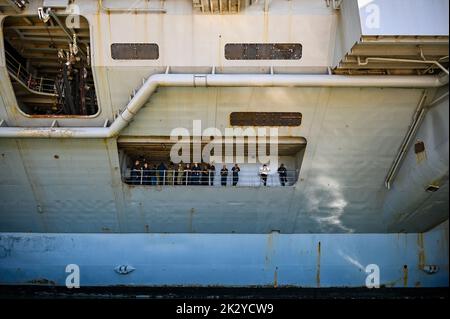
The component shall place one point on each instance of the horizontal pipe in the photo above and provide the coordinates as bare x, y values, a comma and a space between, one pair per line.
219, 80
294, 80
54, 132
367, 60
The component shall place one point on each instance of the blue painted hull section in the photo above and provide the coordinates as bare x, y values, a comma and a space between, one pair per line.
228, 260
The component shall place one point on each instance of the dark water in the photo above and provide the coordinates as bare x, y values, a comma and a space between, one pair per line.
47, 292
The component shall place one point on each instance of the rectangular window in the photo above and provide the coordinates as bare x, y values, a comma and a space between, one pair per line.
158, 162
266, 119
135, 51
263, 51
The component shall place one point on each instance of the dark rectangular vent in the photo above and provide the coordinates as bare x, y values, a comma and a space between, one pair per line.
263, 51
135, 51
266, 119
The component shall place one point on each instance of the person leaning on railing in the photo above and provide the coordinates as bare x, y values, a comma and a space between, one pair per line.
282, 172
264, 172
179, 174
236, 171
162, 169
153, 177
135, 174
146, 174
170, 175
224, 175
212, 173
205, 175
196, 173
187, 175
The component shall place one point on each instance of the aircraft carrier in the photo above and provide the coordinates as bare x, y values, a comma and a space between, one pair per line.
95, 96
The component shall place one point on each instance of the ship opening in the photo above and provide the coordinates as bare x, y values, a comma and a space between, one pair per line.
150, 162
49, 65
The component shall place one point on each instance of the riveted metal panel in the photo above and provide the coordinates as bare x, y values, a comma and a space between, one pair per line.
263, 51
266, 118
134, 51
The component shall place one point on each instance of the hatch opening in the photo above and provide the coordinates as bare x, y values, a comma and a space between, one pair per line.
49, 66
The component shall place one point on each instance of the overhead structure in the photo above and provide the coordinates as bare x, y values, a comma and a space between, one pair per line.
396, 55
368, 43
49, 65
14, 6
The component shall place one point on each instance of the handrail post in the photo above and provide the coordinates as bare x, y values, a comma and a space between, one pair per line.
18, 71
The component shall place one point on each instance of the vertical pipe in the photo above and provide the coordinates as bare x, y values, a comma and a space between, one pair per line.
417, 120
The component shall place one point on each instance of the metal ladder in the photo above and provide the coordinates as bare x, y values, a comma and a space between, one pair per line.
35, 85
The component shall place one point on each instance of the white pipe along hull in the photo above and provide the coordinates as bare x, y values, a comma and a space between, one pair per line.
219, 80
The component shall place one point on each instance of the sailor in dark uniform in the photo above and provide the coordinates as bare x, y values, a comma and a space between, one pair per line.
196, 174
224, 175
211, 173
282, 172
205, 174
187, 175
236, 171
146, 175
162, 171
153, 177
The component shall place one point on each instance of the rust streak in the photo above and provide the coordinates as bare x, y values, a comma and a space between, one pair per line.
421, 247
269, 249
405, 276
275, 278
266, 27
318, 265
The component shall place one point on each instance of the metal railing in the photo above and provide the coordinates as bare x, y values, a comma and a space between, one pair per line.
207, 178
35, 84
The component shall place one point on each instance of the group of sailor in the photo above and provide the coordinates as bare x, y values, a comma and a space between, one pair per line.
144, 173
